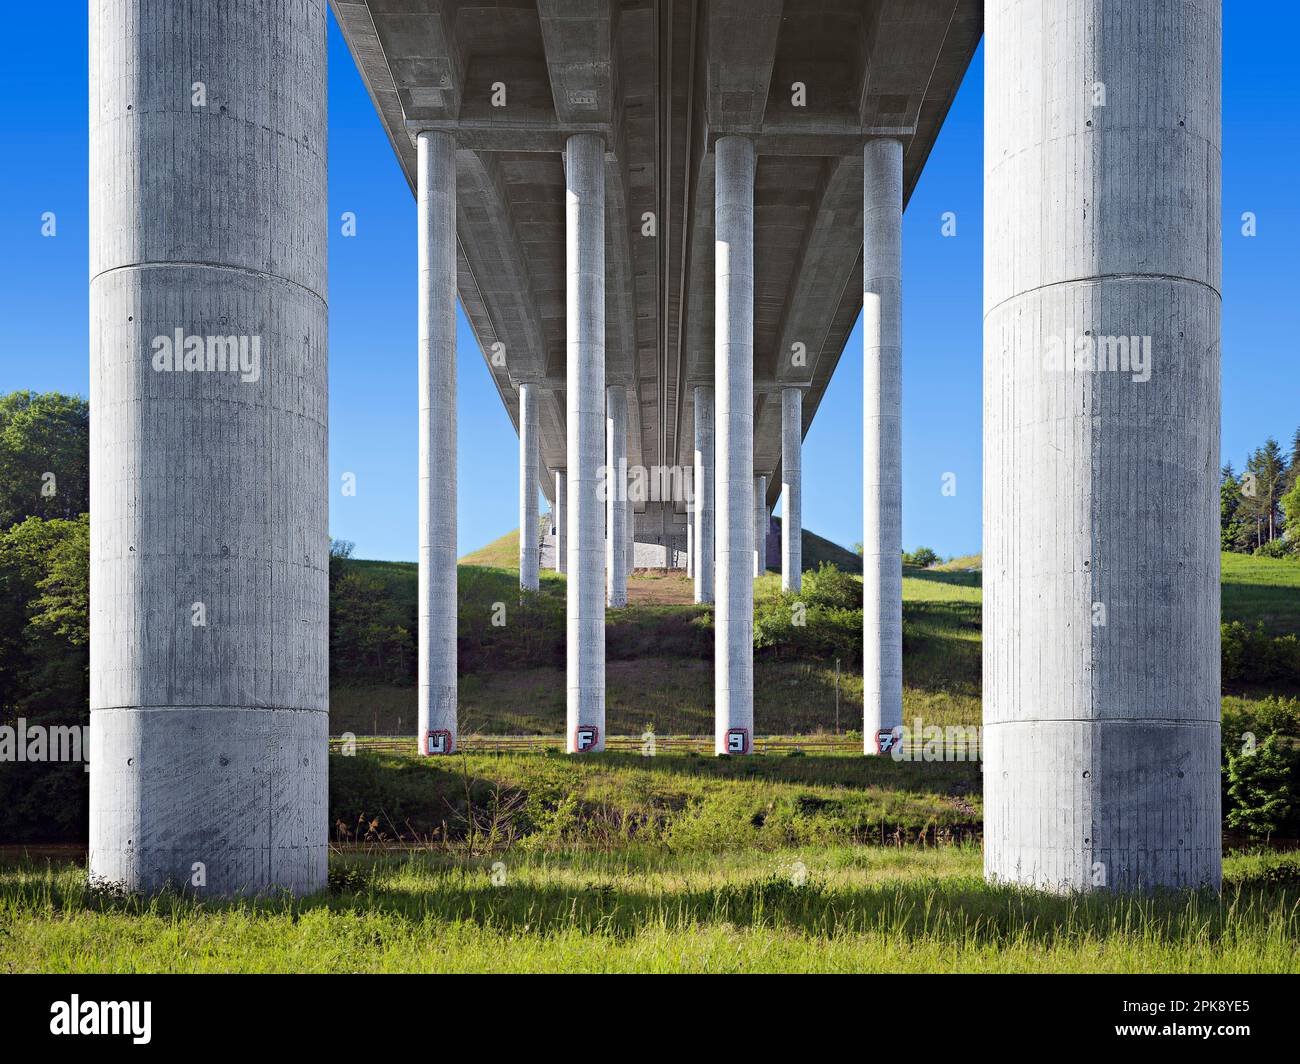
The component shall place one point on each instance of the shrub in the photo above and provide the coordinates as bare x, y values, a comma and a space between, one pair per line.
922, 558
1251, 654
1262, 788
831, 587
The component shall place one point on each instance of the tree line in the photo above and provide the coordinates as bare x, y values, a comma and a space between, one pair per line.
1259, 509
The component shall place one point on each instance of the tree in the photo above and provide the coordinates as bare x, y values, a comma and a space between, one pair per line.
44, 615
1231, 528
1259, 511
44, 456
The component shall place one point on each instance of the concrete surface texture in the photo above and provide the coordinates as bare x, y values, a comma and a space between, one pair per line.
616, 505
791, 489
1103, 134
733, 615
436, 226
529, 558
760, 525
584, 170
209, 537
705, 502
559, 507
882, 464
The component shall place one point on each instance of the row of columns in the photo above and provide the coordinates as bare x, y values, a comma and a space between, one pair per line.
727, 530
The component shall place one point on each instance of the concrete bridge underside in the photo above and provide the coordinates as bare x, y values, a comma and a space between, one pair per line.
660, 81
656, 215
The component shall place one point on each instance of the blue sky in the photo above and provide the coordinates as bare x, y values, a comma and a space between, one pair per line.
44, 326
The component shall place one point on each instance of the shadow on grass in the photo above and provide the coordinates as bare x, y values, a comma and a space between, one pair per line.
963, 911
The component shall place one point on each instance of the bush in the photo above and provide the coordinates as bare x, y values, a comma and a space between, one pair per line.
1262, 788
921, 558
1251, 654
831, 587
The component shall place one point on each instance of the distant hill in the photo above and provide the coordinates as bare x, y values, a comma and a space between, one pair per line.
503, 553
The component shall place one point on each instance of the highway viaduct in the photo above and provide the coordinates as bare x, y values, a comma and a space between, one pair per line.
656, 215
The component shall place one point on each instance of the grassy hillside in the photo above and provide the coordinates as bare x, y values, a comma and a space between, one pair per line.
660, 653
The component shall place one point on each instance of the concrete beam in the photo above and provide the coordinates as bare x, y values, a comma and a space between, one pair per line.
209, 564
584, 171
734, 398
1101, 598
882, 534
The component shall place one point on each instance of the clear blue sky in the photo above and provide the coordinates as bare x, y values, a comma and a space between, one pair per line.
43, 288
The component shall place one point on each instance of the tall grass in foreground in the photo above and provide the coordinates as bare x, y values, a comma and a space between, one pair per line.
826, 909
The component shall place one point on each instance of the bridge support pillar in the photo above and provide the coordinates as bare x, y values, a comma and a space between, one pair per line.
733, 362
616, 504
209, 568
703, 518
559, 510
1102, 280
529, 558
882, 533
760, 525
436, 210
791, 489
584, 171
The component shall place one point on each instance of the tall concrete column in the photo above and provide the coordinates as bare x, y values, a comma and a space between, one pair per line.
760, 525
733, 365
704, 493
791, 489
882, 371
584, 172
436, 221
208, 467
529, 559
559, 509
616, 494
1102, 277
690, 545
631, 537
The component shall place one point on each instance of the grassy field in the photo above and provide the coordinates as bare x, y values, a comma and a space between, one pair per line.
673, 862
659, 671
817, 908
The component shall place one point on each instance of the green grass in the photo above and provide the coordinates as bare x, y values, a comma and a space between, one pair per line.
641, 910
1262, 591
659, 670
677, 800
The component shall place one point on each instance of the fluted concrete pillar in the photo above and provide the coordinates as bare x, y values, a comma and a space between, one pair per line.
436, 211
882, 520
616, 503
631, 537
791, 489
1102, 277
733, 363
558, 510
760, 525
584, 171
208, 470
529, 558
704, 494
